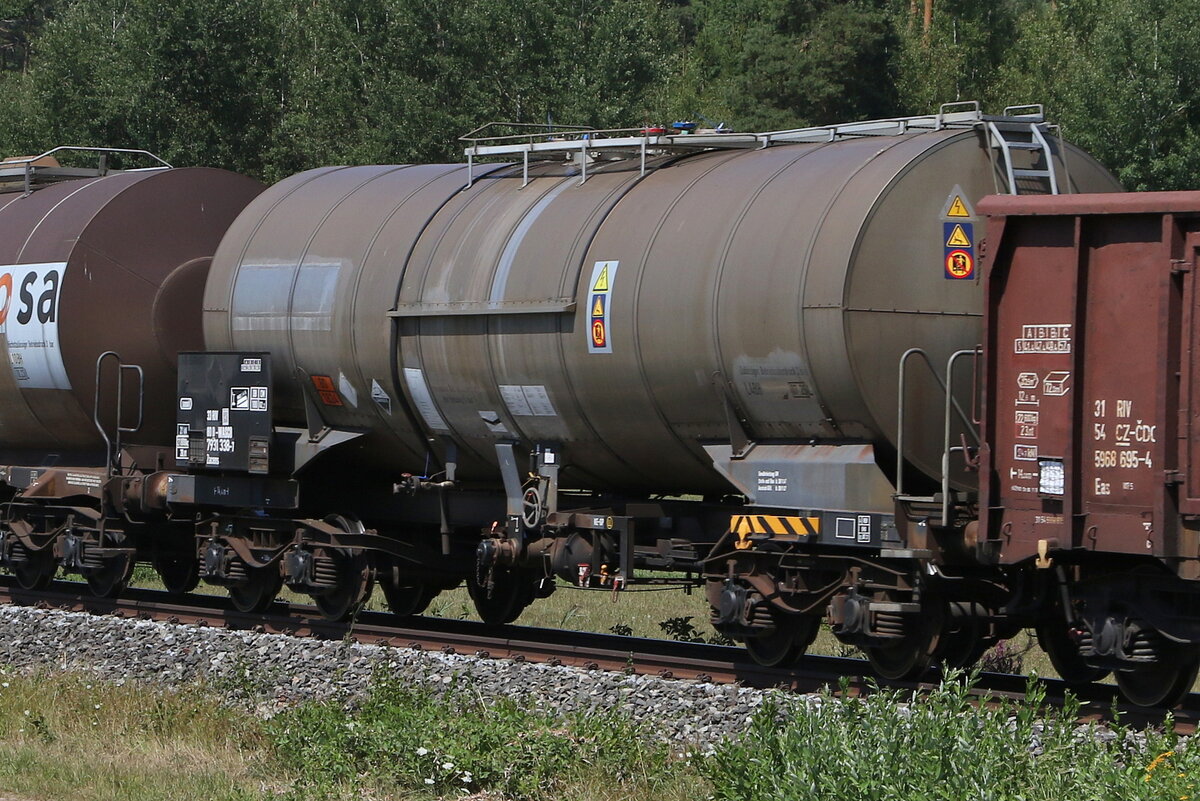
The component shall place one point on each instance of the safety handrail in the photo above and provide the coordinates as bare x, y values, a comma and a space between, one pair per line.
29, 163
952, 407
86, 149
1031, 111
536, 131
113, 450
946, 449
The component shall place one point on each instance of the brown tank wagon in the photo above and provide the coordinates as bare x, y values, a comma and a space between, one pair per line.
101, 278
647, 315
627, 317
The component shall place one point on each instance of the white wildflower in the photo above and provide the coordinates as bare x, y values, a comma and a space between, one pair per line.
420, 751
429, 781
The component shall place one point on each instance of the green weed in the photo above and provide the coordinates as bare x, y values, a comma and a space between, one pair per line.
682, 629
890, 746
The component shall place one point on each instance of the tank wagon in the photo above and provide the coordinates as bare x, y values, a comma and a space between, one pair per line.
612, 320
752, 360
99, 262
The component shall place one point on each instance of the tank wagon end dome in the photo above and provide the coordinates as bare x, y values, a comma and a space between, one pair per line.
113, 262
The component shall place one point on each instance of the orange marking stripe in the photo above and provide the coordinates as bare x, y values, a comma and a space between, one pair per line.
744, 526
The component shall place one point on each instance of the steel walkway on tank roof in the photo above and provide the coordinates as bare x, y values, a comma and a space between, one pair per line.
580, 143
26, 173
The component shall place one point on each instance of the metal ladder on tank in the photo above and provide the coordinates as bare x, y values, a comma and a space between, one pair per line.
1023, 129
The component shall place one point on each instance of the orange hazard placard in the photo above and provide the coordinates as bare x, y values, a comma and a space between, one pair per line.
326, 391
960, 264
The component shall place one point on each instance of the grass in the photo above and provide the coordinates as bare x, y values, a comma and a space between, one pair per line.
65, 737
69, 738
399, 740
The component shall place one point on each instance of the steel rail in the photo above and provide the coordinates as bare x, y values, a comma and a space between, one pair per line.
667, 659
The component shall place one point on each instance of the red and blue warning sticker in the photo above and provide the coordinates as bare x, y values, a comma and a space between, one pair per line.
958, 237
959, 258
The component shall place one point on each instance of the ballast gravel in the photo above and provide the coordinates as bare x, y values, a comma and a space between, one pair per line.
270, 671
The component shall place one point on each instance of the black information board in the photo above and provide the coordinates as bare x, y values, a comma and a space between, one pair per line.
223, 412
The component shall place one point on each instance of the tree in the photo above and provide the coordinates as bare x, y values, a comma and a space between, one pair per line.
1120, 78
400, 80
20, 23
190, 80
270, 87
956, 57
769, 64
1135, 102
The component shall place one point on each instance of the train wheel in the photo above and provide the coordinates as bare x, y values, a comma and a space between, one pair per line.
511, 592
791, 638
910, 656
1163, 683
36, 570
257, 592
111, 578
407, 601
353, 588
1055, 640
179, 573
961, 647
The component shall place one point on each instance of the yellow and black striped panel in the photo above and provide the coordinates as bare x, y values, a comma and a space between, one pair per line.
746, 527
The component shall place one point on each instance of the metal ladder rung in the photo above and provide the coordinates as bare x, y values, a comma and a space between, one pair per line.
1013, 124
1000, 139
919, 498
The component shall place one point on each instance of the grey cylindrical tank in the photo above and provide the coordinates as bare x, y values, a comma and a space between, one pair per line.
783, 284
110, 263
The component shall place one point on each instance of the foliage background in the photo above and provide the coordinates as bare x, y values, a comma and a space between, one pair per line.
269, 87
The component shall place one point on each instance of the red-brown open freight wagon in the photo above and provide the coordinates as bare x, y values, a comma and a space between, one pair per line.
1091, 427
1092, 396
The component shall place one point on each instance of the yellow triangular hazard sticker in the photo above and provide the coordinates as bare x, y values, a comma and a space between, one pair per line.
601, 284
958, 238
958, 208
598, 309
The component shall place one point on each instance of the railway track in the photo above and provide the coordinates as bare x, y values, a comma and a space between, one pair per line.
582, 650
